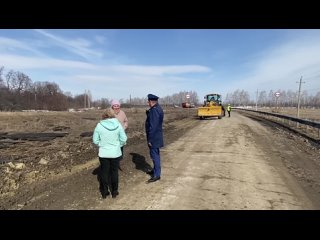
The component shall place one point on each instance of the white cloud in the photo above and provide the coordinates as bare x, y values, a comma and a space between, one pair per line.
75, 76
122, 85
11, 45
79, 46
16, 61
113, 80
20, 62
160, 70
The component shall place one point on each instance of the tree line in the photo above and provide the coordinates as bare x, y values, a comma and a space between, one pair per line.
169, 100
263, 98
19, 92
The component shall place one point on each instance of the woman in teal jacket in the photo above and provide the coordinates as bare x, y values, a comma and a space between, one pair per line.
109, 136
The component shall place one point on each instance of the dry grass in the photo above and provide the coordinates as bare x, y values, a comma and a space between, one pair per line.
305, 113
77, 122
37, 122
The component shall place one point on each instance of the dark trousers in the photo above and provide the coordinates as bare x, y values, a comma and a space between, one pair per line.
109, 176
121, 157
155, 156
229, 113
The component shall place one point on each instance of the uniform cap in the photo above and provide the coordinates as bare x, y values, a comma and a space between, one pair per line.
152, 97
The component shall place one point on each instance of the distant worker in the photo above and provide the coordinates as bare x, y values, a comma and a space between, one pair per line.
229, 109
154, 134
121, 116
223, 109
109, 136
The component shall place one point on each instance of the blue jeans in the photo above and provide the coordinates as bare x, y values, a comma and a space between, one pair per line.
155, 156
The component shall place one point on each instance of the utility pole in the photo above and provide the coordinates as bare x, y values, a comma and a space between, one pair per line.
299, 96
35, 99
88, 98
85, 94
257, 100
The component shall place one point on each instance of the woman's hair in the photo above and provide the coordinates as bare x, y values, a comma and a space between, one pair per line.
108, 113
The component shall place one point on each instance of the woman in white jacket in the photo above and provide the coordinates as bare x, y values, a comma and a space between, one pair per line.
109, 136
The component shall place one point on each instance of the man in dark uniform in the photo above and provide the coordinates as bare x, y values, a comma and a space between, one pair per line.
154, 134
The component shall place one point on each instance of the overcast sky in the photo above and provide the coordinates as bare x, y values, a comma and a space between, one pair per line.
115, 63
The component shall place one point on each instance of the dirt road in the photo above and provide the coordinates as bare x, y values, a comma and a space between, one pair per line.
232, 163
228, 164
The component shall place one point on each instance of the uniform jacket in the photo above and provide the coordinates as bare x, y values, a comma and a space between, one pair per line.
229, 108
109, 136
153, 126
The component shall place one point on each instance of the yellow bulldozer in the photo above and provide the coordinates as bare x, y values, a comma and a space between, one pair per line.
212, 107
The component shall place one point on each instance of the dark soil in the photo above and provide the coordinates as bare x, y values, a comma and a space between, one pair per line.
50, 158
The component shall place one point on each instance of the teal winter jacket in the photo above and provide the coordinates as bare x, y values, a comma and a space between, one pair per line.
109, 136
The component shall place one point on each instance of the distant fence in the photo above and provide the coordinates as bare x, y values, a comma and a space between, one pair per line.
287, 120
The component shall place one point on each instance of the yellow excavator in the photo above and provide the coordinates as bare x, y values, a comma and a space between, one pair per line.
212, 107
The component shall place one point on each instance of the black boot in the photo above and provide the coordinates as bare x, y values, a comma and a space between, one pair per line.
115, 194
105, 194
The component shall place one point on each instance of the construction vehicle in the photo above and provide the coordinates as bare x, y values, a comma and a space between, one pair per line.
212, 107
187, 105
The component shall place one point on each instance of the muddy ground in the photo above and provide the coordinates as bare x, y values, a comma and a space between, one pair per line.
30, 164
61, 173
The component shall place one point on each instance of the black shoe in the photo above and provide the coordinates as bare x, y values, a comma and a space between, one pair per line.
153, 179
104, 195
115, 194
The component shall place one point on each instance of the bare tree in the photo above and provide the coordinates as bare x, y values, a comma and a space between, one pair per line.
1, 79
11, 75
23, 82
262, 99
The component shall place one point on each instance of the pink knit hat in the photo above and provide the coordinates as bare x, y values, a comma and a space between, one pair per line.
115, 102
